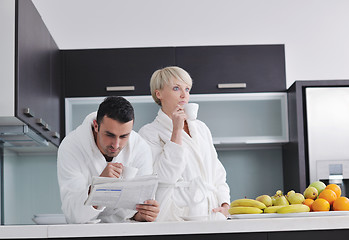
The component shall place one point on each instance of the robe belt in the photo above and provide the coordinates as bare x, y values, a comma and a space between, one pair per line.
202, 186
185, 184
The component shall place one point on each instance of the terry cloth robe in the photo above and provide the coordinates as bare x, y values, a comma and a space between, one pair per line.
192, 181
79, 159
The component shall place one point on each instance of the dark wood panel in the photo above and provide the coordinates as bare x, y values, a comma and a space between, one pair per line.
315, 234
89, 72
261, 67
218, 236
37, 70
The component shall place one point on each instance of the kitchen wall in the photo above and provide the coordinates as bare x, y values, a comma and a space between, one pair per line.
30, 186
315, 32
7, 57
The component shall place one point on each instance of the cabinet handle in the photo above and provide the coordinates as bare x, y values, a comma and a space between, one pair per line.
28, 112
40, 122
55, 135
120, 88
232, 85
46, 127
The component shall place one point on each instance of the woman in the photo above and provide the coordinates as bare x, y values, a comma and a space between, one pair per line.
192, 179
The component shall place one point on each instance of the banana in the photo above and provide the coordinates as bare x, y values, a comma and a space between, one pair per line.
272, 209
245, 202
293, 208
244, 210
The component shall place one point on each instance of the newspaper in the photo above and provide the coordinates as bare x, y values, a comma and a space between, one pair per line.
121, 193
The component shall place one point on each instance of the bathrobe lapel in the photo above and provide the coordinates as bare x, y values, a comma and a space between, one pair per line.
93, 154
192, 142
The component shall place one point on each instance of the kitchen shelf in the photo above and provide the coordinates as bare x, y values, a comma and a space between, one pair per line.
238, 120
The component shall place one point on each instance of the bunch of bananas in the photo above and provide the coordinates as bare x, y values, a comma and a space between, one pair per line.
246, 206
251, 206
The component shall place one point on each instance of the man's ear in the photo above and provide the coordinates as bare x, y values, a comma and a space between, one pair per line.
95, 125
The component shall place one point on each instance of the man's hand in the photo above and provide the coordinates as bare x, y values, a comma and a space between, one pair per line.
112, 170
147, 212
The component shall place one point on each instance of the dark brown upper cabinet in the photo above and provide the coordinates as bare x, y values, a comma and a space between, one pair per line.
233, 69
104, 72
214, 69
38, 74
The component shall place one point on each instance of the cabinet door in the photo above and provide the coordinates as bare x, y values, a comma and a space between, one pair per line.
315, 234
54, 107
89, 72
37, 55
261, 68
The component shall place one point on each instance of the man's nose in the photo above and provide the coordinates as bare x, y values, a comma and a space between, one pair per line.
116, 143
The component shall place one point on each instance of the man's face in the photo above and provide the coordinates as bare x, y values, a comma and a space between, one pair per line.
112, 136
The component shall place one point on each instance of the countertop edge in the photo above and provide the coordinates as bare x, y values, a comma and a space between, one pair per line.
176, 228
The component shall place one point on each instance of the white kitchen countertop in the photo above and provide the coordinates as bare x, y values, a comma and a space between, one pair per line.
172, 228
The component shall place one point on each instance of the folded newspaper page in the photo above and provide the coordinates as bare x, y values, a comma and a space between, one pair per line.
121, 193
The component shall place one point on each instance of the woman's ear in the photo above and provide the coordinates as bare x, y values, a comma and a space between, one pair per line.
158, 94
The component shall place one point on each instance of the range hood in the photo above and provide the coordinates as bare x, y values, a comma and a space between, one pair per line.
20, 136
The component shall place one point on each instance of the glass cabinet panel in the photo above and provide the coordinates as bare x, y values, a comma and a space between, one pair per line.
244, 118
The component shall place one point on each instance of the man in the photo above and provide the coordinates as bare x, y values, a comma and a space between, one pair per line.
101, 146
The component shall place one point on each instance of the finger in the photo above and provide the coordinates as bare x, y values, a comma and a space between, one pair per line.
146, 207
148, 216
216, 209
116, 174
113, 171
117, 165
148, 213
152, 202
148, 210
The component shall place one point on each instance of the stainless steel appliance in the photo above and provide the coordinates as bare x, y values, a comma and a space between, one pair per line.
327, 110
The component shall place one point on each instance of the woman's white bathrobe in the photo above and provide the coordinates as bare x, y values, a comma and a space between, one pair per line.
192, 181
79, 159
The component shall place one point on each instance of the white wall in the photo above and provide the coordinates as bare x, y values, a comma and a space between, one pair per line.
7, 61
315, 32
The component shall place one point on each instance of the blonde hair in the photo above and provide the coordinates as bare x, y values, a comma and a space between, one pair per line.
164, 76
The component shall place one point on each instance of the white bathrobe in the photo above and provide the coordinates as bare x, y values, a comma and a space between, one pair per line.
192, 179
79, 159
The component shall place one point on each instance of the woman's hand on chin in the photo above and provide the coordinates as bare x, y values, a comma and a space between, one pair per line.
178, 118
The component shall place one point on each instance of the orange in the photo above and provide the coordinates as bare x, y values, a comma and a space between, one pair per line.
328, 195
309, 202
341, 204
335, 188
320, 204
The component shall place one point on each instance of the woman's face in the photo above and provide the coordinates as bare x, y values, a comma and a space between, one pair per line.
173, 94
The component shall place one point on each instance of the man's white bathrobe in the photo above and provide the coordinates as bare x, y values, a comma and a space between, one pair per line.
79, 159
192, 181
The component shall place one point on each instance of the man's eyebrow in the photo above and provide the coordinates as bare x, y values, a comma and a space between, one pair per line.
110, 133
125, 135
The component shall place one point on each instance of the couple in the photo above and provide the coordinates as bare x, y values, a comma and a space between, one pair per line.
192, 181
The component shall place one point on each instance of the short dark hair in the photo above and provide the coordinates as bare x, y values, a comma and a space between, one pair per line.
117, 108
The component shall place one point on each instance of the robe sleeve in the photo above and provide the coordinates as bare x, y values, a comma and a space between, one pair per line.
168, 157
73, 185
219, 174
142, 156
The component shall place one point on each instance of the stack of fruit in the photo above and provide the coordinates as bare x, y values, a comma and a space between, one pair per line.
316, 197
320, 197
